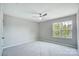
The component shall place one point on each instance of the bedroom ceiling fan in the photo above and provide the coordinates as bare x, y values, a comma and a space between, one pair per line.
40, 15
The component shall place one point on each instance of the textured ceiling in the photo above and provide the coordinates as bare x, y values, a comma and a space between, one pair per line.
28, 10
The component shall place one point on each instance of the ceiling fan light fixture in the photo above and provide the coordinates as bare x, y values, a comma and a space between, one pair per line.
40, 18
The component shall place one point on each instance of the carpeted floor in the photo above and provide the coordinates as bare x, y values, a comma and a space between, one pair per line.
38, 48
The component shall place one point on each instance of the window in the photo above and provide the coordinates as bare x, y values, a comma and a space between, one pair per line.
62, 29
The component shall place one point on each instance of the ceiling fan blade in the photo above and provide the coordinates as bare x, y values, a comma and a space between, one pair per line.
44, 14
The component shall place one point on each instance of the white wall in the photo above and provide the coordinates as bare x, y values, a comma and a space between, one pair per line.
18, 31
78, 31
1, 29
46, 32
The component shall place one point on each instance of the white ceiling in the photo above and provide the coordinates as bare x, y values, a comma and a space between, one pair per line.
27, 10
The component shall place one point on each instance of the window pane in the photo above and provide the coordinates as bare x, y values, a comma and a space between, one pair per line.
62, 29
